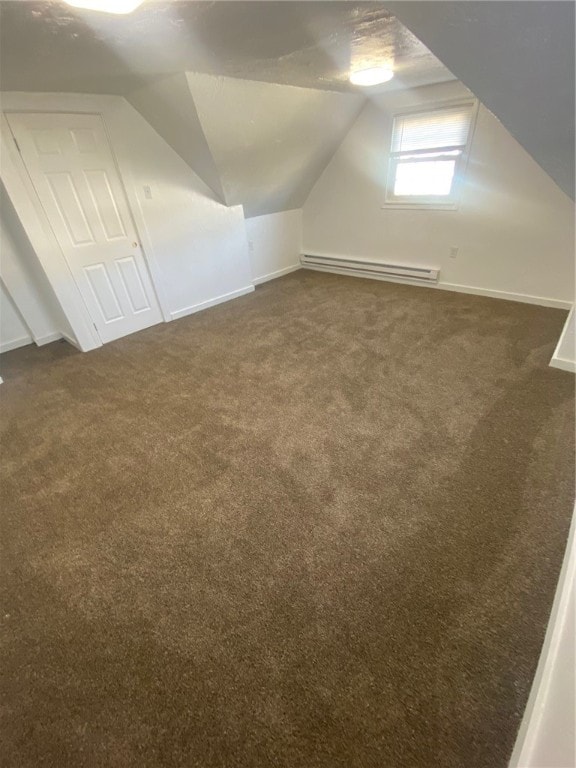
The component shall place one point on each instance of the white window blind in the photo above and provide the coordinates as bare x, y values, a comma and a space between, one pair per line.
426, 153
432, 130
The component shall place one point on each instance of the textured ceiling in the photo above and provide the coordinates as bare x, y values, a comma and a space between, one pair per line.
51, 46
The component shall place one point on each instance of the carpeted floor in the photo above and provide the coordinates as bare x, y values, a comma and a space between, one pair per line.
319, 526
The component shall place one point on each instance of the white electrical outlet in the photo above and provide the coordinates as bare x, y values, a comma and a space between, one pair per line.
453, 251
147, 192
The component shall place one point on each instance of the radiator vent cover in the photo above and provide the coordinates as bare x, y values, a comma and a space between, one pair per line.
374, 269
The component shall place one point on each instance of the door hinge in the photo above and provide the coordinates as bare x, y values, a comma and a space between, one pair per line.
17, 145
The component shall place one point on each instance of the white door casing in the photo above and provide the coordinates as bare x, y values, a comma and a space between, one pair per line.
72, 169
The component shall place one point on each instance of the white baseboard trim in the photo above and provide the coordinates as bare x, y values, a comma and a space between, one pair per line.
562, 364
278, 273
47, 339
558, 360
210, 303
524, 298
73, 342
542, 301
22, 341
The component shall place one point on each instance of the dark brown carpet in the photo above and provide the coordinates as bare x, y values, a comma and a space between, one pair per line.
317, 527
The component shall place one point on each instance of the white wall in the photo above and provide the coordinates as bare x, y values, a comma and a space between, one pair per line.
514, 228
547, 736
196, 248
13, 330
275, 243
199, 245
565, 353
25, 281
168, 106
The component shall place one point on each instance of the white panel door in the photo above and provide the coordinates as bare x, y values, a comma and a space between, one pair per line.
71, 166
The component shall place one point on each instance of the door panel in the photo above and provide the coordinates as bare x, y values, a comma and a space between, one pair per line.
73, 171
103, 291
85, 140
103, 198
46, 143
133, 284
68, 205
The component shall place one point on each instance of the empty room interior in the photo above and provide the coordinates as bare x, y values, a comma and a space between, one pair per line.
287, 387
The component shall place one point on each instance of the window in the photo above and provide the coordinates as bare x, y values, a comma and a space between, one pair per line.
428, 156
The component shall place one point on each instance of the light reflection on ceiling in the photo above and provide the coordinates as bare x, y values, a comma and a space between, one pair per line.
307, 44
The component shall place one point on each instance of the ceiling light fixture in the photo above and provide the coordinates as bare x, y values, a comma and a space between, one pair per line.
372, 76
107, 6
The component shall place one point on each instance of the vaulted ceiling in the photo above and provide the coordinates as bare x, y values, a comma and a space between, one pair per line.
255, 96
518, 59
261, 145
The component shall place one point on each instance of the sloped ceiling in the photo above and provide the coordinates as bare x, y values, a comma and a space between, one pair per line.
270, 142
518, 59
254, 96
260, 145
47, 45
168, 106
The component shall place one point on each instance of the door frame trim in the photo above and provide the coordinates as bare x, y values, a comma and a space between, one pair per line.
14, 174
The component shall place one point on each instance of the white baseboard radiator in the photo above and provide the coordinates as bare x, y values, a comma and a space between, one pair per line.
374, 269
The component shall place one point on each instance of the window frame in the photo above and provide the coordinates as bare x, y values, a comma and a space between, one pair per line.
449, 202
